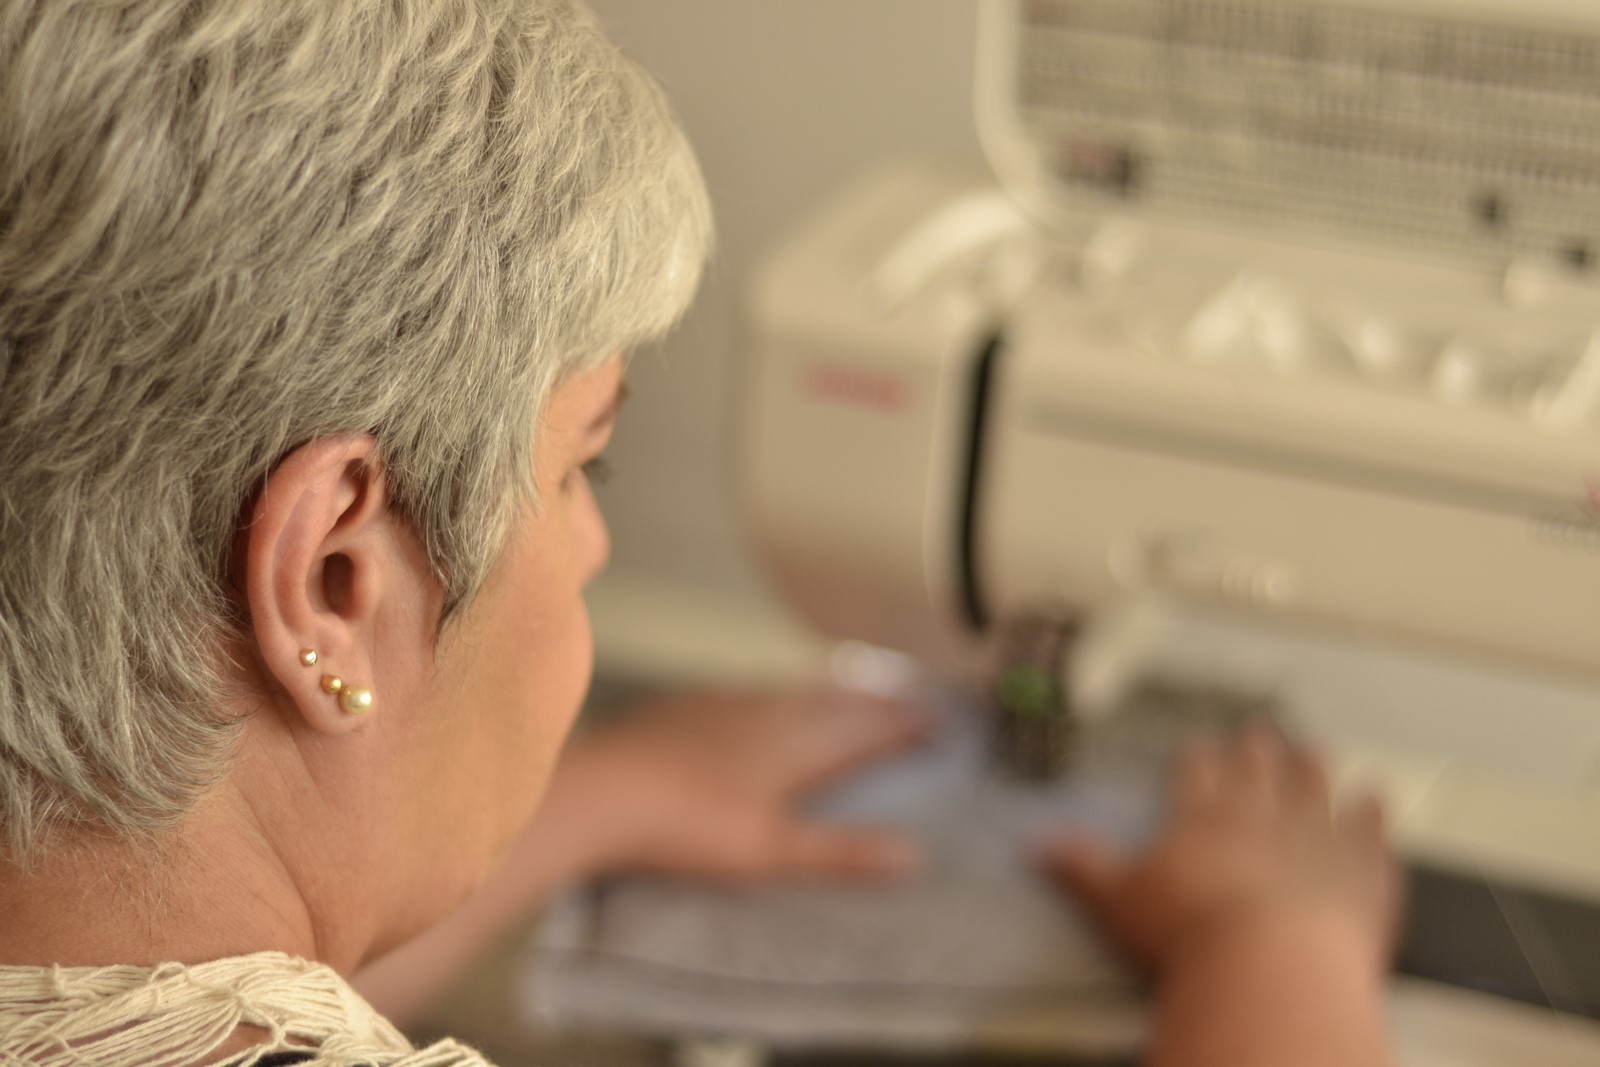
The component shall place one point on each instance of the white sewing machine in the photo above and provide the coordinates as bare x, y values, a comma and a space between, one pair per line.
1274, 360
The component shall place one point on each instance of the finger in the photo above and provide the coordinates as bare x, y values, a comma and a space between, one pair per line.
1364, 820
1362, 824
1257, 766
836, 731
1198, 776
1307, 781
813, 850
1088, 867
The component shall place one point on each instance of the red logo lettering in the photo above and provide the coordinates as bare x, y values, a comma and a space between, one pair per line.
857, 388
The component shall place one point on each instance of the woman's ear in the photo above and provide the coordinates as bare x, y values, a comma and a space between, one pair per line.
317, 560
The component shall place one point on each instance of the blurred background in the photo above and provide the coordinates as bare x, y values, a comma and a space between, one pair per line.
786, 101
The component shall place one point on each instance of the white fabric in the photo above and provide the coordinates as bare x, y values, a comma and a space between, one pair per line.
181, 1016
980, 950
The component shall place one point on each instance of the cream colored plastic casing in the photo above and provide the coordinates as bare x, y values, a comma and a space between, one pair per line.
1329, 347
1388, 446
858, 403
1385, 446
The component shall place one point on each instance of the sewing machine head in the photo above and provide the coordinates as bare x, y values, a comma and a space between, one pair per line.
1272, 360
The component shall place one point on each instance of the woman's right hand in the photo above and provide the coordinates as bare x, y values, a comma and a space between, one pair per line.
1267, 919
1252, 836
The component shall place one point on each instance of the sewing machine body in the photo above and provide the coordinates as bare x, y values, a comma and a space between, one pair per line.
1311, 413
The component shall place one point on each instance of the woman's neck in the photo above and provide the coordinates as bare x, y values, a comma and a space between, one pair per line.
210, 888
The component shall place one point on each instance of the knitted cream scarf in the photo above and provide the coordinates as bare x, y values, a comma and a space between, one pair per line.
178, 1016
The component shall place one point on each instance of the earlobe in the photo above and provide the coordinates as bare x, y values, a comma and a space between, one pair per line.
353, 699
314, 557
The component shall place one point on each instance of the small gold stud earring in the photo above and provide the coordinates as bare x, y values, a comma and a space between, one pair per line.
332, 683
355, 699
308, 657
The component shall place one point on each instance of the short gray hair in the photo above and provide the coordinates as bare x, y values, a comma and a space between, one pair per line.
230, 227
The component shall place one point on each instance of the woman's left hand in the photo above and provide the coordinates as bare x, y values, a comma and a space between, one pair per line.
709, 785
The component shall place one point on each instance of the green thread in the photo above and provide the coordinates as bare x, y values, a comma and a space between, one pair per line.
1030, 691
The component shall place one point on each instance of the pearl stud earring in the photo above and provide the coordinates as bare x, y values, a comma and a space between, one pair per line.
308, 657
353, 699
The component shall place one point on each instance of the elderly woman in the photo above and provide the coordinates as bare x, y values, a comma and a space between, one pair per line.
311, 315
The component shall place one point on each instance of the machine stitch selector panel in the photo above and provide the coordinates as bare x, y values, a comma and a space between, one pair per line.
1413, 124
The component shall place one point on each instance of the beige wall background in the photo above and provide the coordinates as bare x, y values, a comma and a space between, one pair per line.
786, 101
